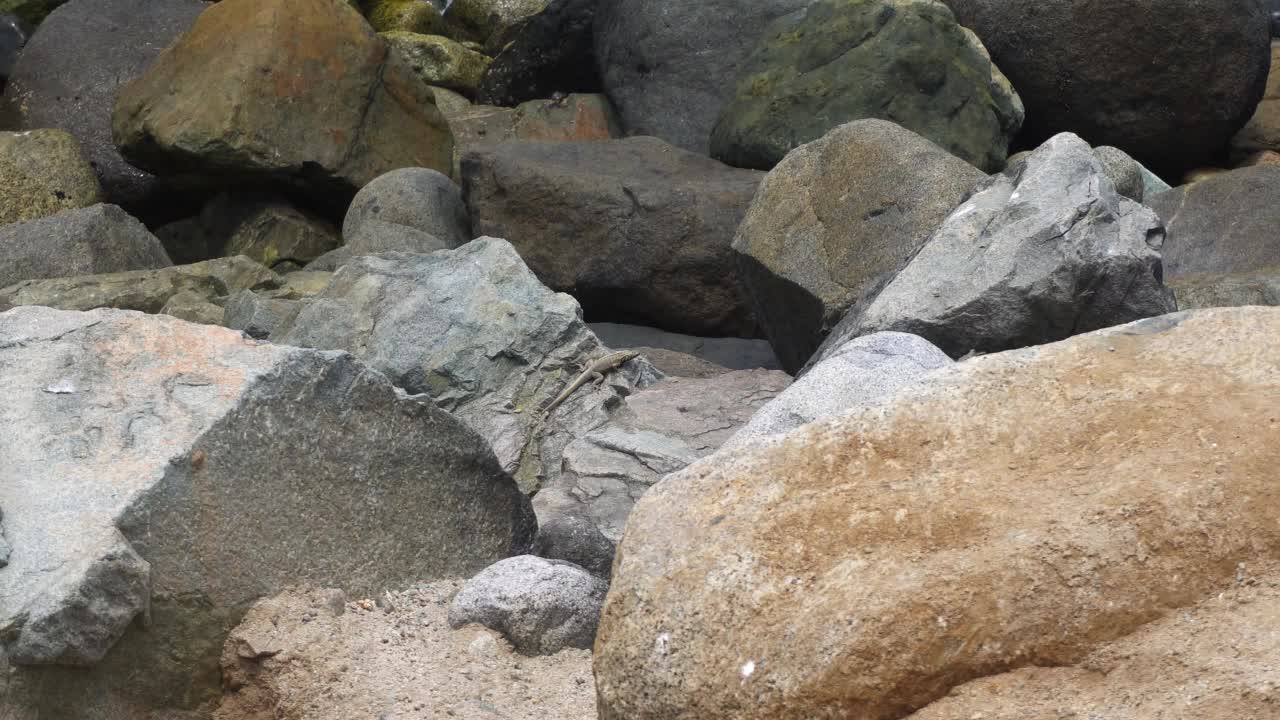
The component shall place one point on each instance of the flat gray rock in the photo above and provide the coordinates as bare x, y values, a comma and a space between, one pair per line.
475, 330
656, 432
860, 373
731, 353
541, 606
82, 241
1042, 252
199, 471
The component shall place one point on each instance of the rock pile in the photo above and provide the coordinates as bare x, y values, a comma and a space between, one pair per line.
559, 359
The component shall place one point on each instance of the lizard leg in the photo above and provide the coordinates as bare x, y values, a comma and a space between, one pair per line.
597, 378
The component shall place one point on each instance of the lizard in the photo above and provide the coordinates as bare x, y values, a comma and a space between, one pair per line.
594, 371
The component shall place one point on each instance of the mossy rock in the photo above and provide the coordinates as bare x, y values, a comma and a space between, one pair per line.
439, 61
416, 16
905, 61
43, 172
490, 21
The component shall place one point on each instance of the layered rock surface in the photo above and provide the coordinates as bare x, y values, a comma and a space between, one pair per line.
202, 471
1023, 509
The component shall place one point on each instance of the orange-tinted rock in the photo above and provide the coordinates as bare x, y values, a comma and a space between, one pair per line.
292, 92
1020, 509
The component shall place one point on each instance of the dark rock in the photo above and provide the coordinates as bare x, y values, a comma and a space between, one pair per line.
1038, 254
491, 22
1262, 132
835, 221
1224, 224
551, 52
639, 230
843, 60
212, 104
669, 67
13, 35
264, 228
578, 541
68, 75
541, 606
84, 241
1167, 81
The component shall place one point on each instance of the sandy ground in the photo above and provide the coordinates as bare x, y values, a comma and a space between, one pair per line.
392, 659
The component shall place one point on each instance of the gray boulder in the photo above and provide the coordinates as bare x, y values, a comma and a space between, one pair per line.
1224, 224
669, 67
1167, 81
1039, 254
655, 432
640, 231
417, 198
842, 60
162, 444
575, 540
142, 290
835, 221
541, 606
68, 74
858, 374
97, 239
13, 35
257, 316
475, 330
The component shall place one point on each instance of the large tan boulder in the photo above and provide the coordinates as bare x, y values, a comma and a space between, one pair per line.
292, 92
1019, 509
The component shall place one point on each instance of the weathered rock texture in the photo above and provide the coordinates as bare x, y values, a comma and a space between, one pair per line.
142, 290
835, 221
861, 372
906, 61
96, 239
656, 432
263, 227
69, 72
541, 606
1167, 81
43, 172
437, 60
1022, 509
638, 229
291, 92
1248, 287
1225, 223
729, 353
474, 329
201, 471
1215, 660
1041, 252
670, 67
